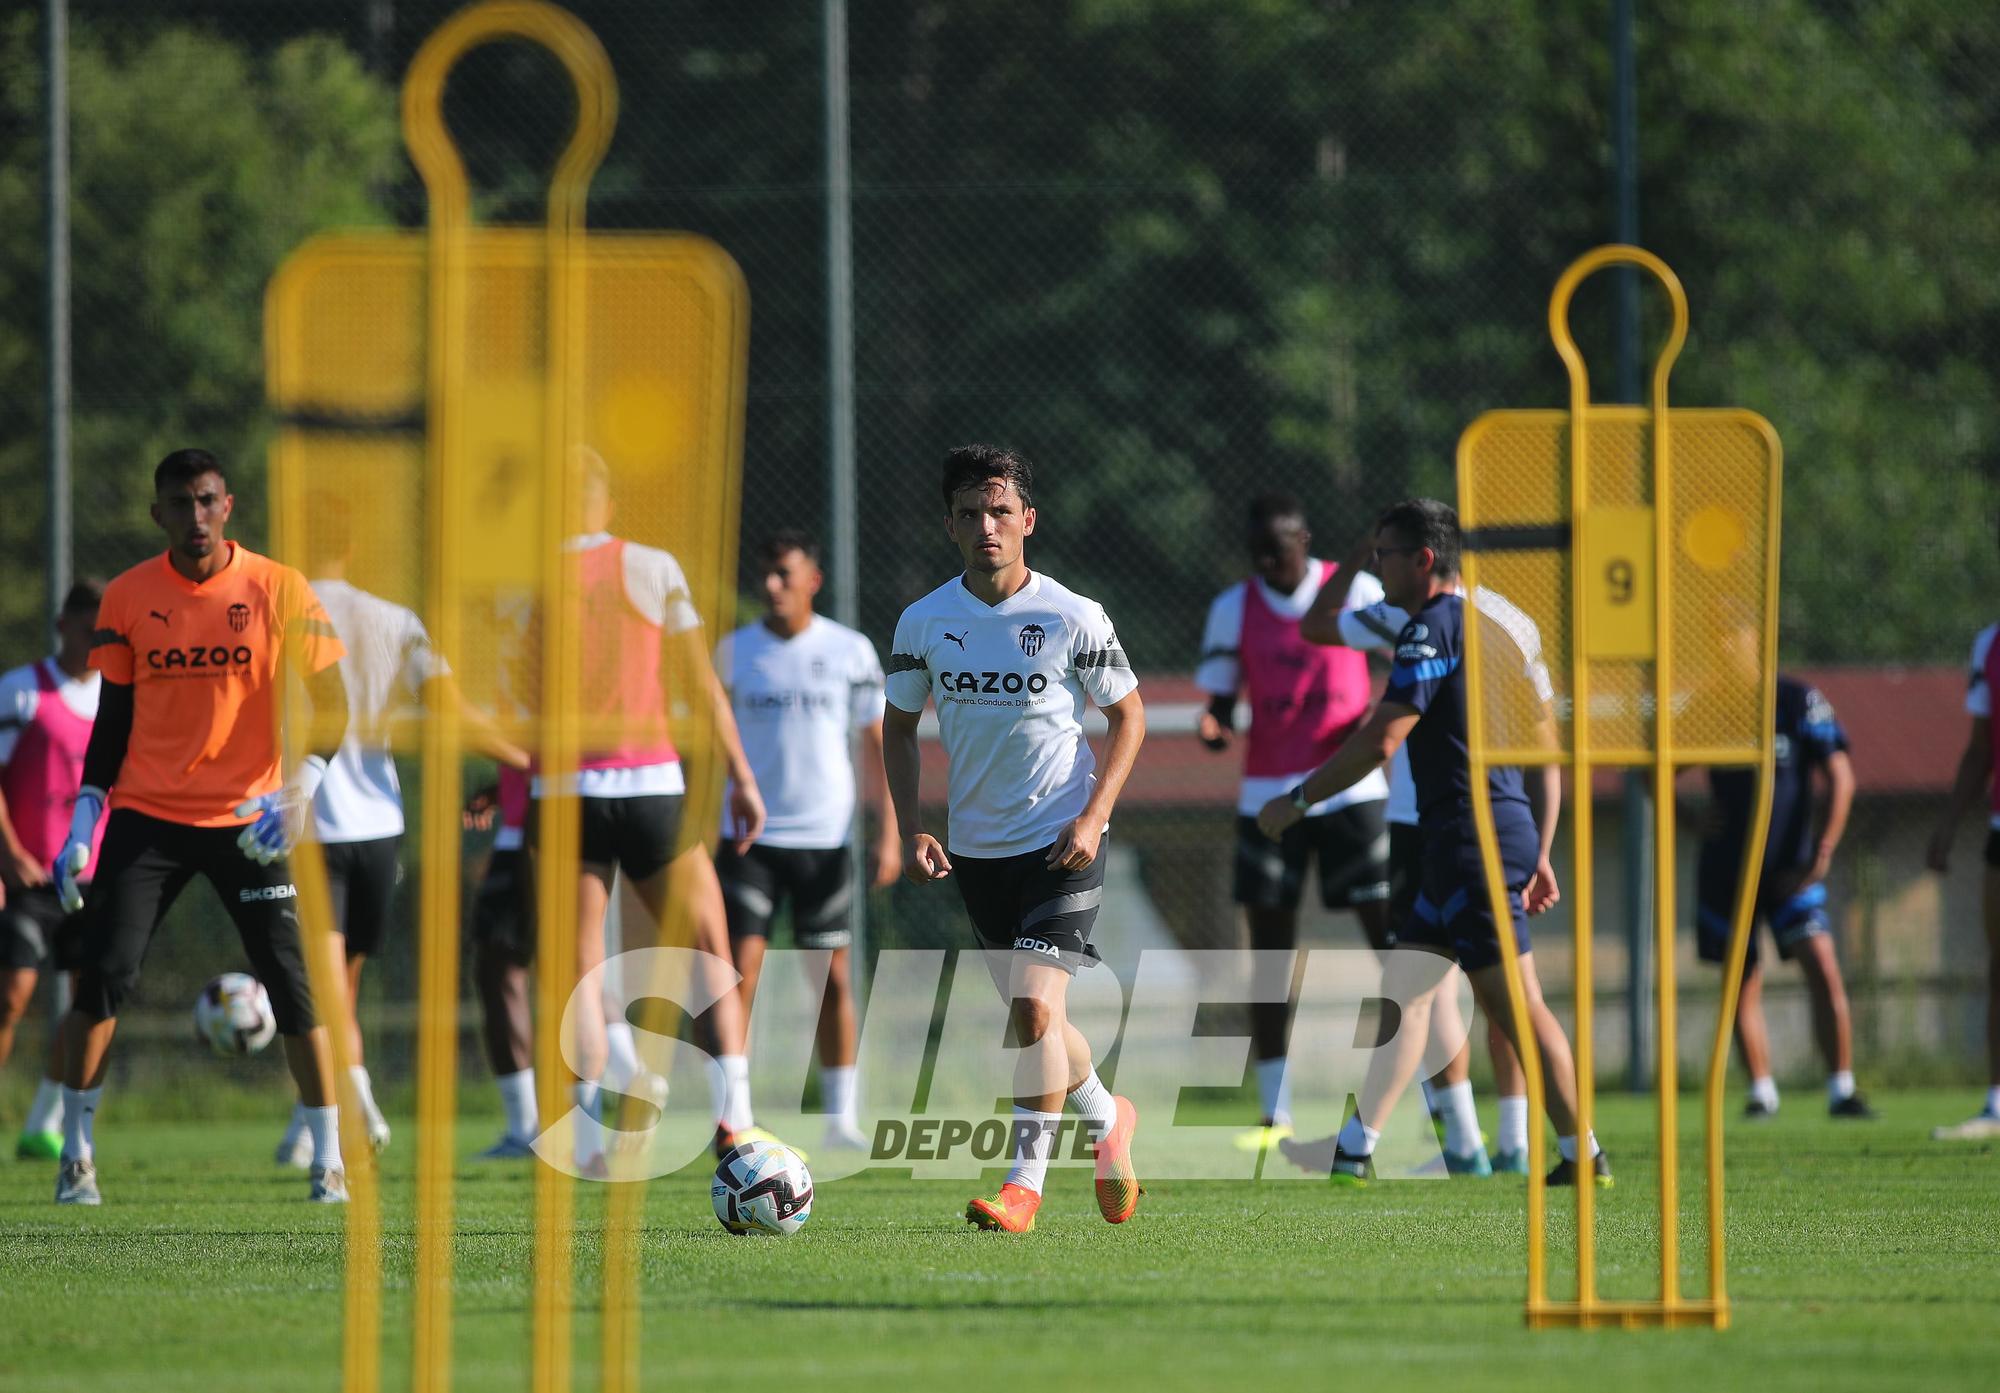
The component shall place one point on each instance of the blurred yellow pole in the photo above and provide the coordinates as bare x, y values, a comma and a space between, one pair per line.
361, 1322
444, 177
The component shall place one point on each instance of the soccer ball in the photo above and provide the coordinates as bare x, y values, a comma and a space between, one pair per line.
762, 1187
233, 1014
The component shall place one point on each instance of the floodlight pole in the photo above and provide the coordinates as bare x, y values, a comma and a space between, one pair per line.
1640, 1030
842, 547
55, 113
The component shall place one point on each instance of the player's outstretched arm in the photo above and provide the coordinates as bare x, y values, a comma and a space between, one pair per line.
1077, 847
1365, 751
1975, 767
1321, 624
924, 859
482, 733
279, 817
18, 870
1218, 722
1545, 796
885, 857
1839, 803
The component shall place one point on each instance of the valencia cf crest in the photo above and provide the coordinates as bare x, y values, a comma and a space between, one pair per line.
1031, 639
239, 617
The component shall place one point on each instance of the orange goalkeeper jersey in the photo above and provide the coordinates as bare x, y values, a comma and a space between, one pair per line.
206, 662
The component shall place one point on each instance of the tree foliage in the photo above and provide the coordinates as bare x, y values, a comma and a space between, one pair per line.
1179, 251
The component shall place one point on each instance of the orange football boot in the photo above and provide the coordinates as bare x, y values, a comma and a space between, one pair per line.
1010, 1211
1118, 1187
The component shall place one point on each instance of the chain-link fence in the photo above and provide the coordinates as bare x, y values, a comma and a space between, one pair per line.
1178, 254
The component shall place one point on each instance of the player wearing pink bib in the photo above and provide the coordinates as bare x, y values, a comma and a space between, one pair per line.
46, 712
636, 617
1304, 699
1979, 772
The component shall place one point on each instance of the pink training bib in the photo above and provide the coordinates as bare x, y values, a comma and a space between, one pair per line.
621, 667
1304, 698
47, 769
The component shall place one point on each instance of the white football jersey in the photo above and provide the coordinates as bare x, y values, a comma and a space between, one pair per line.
389, 659
797, 701
1009, 681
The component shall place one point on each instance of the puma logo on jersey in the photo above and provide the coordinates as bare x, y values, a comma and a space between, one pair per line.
957, 640
159, 616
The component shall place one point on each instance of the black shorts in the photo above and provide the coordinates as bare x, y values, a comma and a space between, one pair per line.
144, 866
1406, 874
638, 836
1350, 845
1021, 904
1792, 920
819, 884
503, 907
1993, 848
1452, 912
361, 880
37, 932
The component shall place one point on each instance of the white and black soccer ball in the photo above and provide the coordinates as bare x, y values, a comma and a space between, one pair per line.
233, 1015
762, 1187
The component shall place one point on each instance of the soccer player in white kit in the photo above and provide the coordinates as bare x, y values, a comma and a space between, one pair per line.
802, 686
1009, 656
357, 815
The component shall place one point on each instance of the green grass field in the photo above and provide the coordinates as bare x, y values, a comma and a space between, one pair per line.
1862, 1256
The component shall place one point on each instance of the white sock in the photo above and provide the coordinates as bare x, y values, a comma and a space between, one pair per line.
836, 1092
296, 1128
1765, 1092
621, 1056
585, 1095
79, 1113
517, 1100
364, 1092
1431, 1098
45, 1114
1993, 1101
1033, 1137
1514, 1122
1357, 1138
1567, 1145
1092, 1101
1461, 1119
1840, 1086
324, 1124
1274, 1090
737, 1114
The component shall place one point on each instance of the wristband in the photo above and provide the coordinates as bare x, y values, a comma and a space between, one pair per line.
308, 775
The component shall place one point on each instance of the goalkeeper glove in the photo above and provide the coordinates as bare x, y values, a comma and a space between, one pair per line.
281, 814
74, 858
